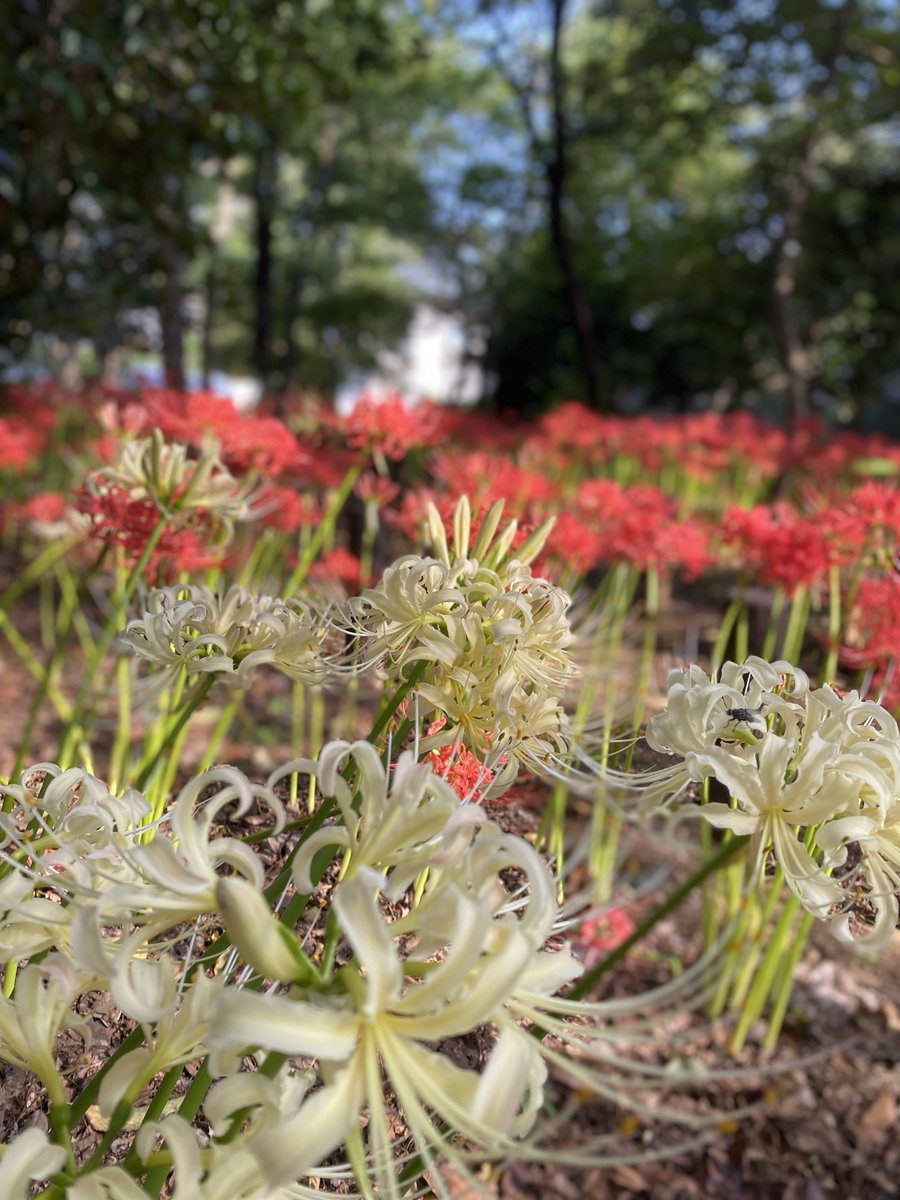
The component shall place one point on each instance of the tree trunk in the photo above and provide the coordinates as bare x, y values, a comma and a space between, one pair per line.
291, 313
171, 318
556, 172
264, 189
206, 336
788, 246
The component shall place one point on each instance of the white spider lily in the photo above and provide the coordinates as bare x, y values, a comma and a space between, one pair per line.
491, 643
777, 794
878, 870
199, 632
401, 812
384, 1023
31, 1021
31, 1157
177, 1037
702, 711
175, 481
257, 935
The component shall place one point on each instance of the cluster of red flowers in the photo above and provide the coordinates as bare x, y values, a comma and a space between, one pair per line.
599, 935
679, 494
127, 522
458, 765
393, 428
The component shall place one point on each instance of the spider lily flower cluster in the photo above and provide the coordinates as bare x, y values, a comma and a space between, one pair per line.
428, 942
814, 779
489, 640
158, 490
203, 633
166, 474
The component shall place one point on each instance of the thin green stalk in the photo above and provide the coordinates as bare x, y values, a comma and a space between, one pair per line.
762, 983
742, 635
220, 729
33, 571
103, 643
298, 723
33, 665
603, 847
785, 986
726, 627
324, 529
771, 637
835, 621
761, 917
121, 748
196, 699
392, 702
796, 627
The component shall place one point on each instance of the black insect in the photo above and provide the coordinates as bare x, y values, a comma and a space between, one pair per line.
746, 716
752, 717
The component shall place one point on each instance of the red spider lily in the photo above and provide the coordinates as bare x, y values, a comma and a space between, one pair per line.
574, 426
466, 775
599, 935
342, 565
485, 478
408, 517
127, 522
873, 636
571, 542
287, 509
21, 443
376, 489
867, 522
779, 546
874, 622
392, 428
245, 441
44, 508
634, 525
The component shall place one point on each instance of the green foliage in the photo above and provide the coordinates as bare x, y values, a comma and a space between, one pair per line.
730, 193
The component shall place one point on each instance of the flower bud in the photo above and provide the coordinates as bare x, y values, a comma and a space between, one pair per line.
259, 937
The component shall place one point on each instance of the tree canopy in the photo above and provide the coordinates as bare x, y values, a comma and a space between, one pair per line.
667, 203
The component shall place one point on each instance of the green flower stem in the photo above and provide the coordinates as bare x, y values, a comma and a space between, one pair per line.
785, 985
550, 836
391, 703
216, 737
732, 953
316, 722
72, 598
742, 635
60, 1122
325, 528
765, 976
155, 1109
835, 621
726, 628
606, 821
796, 626
33, 666
725, 854
121, 747
709, 891
768, 650
761, 915
107, 636
196, 699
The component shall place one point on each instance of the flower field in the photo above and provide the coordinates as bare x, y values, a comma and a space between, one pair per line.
423, 803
